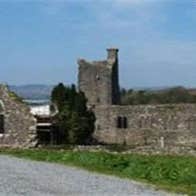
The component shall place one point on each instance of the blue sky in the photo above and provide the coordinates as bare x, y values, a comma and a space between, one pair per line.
41, 40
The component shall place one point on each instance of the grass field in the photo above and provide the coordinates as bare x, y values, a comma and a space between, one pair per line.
173, 173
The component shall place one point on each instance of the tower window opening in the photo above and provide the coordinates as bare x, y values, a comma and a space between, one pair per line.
97, 77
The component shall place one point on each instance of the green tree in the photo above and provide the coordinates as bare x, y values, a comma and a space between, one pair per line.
59, 96
74, 121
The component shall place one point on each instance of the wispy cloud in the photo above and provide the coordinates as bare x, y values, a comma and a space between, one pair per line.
155, 37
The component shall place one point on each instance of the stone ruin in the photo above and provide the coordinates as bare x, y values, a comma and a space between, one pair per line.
17, 124
170, 127
152, 128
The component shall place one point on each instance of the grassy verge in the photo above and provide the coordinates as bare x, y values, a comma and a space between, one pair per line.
173, 173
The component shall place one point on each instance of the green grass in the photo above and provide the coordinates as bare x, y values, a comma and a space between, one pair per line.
173, 173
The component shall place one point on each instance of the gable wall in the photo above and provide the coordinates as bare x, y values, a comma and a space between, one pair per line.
19, 124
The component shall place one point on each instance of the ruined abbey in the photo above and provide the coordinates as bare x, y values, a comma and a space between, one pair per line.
170, 127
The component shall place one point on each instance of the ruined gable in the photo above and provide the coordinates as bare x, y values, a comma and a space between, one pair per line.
19, 126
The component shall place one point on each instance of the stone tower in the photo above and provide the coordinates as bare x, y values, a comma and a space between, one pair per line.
99, 80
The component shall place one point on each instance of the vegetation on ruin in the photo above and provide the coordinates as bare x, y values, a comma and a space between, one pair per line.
74, 121
173, 173
167, 96
14, 96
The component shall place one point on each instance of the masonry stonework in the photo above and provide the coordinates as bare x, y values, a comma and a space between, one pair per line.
155, 125
19, 126
99, 80
150, 126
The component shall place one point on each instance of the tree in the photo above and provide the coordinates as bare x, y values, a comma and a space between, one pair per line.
59, 96
74, 121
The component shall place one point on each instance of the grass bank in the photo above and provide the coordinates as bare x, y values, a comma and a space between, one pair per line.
173, 173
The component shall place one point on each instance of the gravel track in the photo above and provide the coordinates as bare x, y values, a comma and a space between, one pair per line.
30, 178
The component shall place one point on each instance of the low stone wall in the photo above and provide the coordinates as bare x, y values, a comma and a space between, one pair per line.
155, 126
19, 124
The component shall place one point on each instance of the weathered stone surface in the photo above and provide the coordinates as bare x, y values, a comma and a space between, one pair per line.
19, 124
99, 80
152, 127
160, 126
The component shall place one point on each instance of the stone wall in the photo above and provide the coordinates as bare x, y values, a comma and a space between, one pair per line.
155, 126
95, 82
99, 80
151, 127
19, 124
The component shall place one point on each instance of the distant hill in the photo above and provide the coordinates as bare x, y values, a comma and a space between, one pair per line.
172, 95
153, 88
34, 92
43, 92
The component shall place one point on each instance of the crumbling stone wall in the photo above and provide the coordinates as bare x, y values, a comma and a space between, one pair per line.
157, 126
99, 80
151, 127
19, 124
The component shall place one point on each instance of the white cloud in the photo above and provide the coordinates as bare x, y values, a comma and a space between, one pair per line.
137, 27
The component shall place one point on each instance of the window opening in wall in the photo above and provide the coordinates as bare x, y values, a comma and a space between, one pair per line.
125, 122
1, 123
122, 122
119, 122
